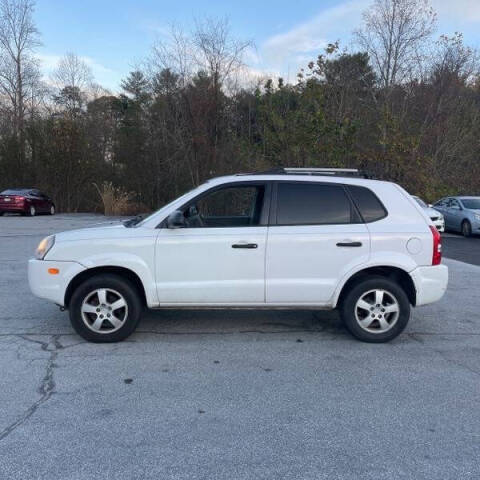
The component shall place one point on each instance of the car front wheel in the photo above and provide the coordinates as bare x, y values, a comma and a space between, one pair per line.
52, 210
31, 211
466, 228
105, 308
375, 310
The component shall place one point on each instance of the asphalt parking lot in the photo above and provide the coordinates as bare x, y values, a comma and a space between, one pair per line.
236, 395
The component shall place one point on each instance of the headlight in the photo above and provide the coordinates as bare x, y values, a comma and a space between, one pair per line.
44, 246
477, 217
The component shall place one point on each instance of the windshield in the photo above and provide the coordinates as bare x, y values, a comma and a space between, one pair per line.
179, 199
472, 203
420, 202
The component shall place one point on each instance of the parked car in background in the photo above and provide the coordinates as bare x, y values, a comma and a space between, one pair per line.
291, 238
26, 201
435, 216
462, 214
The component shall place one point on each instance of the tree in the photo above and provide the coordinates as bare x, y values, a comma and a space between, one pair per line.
393, 34
19, 72
72, 77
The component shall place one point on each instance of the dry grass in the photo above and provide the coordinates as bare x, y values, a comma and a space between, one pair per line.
116, 201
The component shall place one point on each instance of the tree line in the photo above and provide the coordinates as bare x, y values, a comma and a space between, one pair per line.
402, 105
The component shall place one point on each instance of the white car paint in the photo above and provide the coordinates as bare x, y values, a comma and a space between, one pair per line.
293, 266
198, 266
296, 255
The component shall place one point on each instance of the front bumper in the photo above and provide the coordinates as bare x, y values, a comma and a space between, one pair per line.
439, 224
475, 226
48, 286
430, 283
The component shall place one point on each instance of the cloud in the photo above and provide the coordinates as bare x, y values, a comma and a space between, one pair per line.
107, 77
291, 50
465, 11
313, 35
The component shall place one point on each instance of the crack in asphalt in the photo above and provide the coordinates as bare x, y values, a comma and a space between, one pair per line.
47, 385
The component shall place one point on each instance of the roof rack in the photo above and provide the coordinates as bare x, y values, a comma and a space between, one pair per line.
337, 172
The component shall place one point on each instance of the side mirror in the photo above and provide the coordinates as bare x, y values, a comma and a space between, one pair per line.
176, 220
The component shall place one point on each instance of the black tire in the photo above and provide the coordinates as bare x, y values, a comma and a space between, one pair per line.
466, 228
52, 210
361, 288
32, 211
113, 283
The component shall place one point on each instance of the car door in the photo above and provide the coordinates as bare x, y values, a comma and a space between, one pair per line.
442, 207
45, 202
454, 214
218, 256
316, 237
37, 200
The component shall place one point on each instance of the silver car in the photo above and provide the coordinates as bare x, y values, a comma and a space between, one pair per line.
462, 214
435, 216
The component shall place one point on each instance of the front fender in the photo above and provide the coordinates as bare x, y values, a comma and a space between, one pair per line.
132, 262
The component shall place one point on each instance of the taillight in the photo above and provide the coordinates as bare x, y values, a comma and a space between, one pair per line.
437, 246
18, 199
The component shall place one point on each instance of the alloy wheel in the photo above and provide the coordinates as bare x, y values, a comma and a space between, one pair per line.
377, 311
104, 310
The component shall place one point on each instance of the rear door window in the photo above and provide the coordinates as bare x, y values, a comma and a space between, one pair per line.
313, 204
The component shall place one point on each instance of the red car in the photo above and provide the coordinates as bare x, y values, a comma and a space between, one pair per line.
26, 201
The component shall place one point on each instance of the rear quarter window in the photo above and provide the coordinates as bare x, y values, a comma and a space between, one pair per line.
368, 204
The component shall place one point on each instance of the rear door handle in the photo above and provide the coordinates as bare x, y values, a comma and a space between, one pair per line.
349, 244
244, 245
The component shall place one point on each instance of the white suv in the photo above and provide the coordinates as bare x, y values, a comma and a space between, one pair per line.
292, 238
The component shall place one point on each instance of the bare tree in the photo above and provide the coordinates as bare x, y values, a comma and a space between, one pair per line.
174, 54
73, 79
393, 33
19, 72
73, 72
216, 51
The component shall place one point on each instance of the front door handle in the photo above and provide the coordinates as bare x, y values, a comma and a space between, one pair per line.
244, 245
349, 244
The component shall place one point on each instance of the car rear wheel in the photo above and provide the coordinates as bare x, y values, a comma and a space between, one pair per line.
105, 308
466, 228
375, 310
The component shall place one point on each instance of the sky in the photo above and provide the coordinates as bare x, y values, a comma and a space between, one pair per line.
113, 36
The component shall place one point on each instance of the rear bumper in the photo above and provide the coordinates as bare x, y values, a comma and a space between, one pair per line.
51, 287
430, 283
13, 208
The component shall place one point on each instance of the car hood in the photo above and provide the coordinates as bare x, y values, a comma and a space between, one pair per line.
431, 212
103, 231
